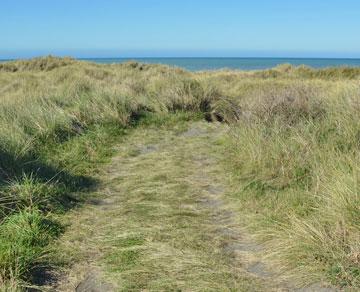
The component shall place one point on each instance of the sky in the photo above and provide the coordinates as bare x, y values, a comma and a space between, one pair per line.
180, 28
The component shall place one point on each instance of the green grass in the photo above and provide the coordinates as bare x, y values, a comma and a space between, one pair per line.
23, 237
121, 261
30, 203
292, 153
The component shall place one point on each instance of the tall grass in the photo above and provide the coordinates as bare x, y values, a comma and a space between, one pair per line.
58, 119
293, 151
296, 154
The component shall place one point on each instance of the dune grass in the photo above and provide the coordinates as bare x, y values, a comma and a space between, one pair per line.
58, 120
293, 152
295, 157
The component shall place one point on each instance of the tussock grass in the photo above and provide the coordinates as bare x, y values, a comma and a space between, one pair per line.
23, 238
295, 155
293, 149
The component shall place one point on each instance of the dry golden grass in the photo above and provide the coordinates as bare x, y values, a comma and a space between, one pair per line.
292, 153
295, 155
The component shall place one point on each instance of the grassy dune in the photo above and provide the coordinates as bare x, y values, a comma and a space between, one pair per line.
293, 152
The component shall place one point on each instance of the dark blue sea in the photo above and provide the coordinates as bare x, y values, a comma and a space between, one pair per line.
198, 64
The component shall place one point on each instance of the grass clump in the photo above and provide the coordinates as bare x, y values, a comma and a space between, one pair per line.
23, 237
29, 192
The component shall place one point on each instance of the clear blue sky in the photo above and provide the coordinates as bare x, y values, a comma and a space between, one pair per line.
134, 28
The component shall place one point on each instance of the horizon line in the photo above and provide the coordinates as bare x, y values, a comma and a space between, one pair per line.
182, 57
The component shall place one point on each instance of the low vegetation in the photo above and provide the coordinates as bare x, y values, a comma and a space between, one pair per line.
293, 152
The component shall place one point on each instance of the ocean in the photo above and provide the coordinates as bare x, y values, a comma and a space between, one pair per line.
199, 64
